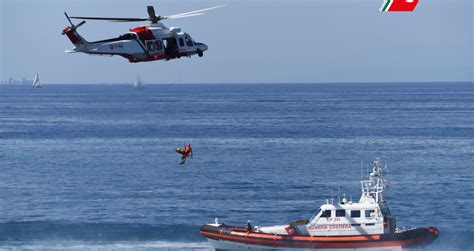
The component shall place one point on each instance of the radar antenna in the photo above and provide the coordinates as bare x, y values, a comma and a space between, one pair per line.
374, 185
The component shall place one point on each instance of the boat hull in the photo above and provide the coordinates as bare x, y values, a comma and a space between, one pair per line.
235, 238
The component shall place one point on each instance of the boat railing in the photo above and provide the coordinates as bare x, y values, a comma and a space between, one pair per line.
403, 229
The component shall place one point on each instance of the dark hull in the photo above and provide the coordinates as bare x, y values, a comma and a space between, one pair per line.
418, 237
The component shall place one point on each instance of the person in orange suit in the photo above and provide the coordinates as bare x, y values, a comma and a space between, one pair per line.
185, 152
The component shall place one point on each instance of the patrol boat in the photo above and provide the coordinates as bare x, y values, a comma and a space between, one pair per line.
346, 225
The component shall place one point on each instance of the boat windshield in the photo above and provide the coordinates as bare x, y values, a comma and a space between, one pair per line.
314, 215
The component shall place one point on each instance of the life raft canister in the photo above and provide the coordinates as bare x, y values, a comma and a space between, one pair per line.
291, 230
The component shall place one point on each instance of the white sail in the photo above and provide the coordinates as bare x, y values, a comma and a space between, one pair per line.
36, 81
138, 83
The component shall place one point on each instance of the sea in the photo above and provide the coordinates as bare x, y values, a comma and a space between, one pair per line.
94, 167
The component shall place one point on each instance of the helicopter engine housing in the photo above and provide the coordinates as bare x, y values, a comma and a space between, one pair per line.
175, 29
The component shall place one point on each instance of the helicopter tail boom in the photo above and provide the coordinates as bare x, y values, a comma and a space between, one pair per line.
75, 38
71, 32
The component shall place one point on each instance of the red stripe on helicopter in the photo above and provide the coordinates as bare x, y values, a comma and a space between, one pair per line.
75, 39
143, 33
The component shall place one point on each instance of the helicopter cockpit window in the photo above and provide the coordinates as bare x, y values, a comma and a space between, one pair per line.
189, 41
181, 42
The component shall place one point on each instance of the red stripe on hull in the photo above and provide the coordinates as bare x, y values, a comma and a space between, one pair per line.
315, 242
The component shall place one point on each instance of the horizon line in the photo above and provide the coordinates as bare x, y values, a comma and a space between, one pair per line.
254, 83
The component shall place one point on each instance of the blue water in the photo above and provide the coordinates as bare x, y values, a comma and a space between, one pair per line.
93, 167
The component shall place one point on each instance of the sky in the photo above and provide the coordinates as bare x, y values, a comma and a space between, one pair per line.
260, 41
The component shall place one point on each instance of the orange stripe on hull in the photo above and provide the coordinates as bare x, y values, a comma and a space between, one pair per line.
310, 241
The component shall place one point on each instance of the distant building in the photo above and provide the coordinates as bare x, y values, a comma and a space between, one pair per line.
13, 81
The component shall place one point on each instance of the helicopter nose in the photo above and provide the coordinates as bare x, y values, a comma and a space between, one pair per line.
202, 47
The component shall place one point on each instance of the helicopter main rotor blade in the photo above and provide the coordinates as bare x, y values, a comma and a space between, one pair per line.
151, 16
151, 12
118, 19
183, 16
196, 11
125, 21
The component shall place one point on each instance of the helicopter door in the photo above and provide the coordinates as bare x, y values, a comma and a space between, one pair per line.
182, 45
181, 42
171, 46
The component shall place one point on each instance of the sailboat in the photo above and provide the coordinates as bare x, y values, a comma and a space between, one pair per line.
36, 81
138, 83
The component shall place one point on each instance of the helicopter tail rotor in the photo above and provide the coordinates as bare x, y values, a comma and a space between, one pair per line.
73, 27
70, 32
68, 19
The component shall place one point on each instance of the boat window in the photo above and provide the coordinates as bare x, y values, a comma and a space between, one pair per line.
368, 213
370, 224
355, 225
189, 42
340, 213
315, 215
181, 42
326, 214
355, 213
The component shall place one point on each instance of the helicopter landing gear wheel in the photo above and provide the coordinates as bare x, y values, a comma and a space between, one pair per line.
200, 53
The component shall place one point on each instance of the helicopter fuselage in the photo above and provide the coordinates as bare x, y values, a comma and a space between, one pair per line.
143, 43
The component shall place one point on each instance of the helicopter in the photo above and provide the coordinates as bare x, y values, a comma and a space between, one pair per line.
150, 42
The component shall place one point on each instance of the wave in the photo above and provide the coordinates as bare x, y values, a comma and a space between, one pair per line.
47, 235
13, 232
70, 245
454, 240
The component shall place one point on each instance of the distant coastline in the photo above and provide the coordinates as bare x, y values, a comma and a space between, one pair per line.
24, 81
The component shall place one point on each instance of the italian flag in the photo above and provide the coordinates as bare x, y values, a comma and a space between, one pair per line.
399, 5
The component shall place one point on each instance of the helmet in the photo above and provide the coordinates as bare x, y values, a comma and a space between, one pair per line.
188, 145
